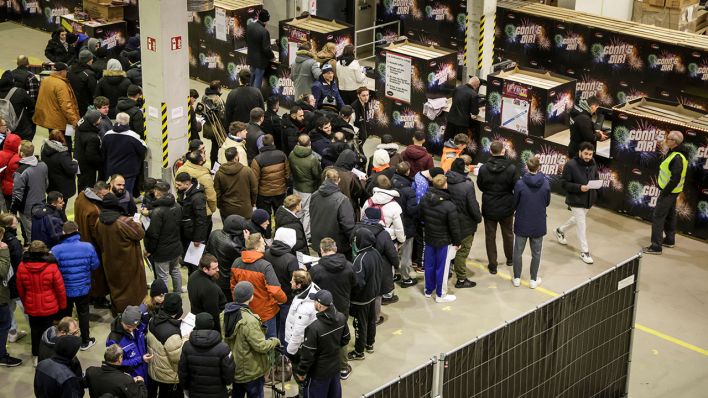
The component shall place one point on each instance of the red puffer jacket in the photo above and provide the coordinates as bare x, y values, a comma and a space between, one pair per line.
40, 285
9, 157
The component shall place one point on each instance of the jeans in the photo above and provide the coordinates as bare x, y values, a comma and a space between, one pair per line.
257, 77
460, 266
330, 387
436, 269
490, 236
406, 251
252, 389
519, 246
38, 324
364, 325
578, 217
664, 221
305, 212
269, 203
26, 223
280, 318
14, 303
130, 183
5, 322
271, 326
82, 310
171, 268
164, 390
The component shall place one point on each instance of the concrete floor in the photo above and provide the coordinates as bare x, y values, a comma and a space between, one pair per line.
670, 347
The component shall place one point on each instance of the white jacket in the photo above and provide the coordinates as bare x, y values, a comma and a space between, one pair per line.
302, 313
350, 77
390, 210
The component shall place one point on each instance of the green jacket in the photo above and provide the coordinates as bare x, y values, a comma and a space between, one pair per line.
4, 270
250, 349
305, 169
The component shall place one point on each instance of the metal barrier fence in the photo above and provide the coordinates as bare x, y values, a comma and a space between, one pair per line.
575, 345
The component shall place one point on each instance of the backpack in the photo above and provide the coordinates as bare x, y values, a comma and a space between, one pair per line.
371, 203
7, 111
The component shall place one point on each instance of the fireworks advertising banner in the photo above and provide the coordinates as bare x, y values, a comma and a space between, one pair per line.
524, 38
43, 14
280, 84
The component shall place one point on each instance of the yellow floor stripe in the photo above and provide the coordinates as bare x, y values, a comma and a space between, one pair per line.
656, 333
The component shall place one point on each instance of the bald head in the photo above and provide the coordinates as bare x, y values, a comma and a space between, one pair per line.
474, 82
674, 139
22, 60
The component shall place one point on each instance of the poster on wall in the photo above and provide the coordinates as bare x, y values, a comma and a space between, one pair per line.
515, 108
398, 77
220, 24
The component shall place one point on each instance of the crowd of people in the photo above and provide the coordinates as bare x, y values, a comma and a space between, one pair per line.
313, 232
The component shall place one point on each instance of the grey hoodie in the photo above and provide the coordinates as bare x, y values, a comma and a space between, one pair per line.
305, 71
30, 184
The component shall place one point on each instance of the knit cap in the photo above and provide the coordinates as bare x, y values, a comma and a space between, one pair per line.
381, 158
158, 287
114, 64
259, 216
243, 292
203, 321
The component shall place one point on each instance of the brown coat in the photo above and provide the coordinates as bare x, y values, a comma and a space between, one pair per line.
352, 187
86, 216
236, 188
203, 177
56, 104
272, 170
122, 256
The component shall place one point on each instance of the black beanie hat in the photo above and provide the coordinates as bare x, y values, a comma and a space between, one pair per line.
203, 321
458, 165
158, 287
172, 305
67, 346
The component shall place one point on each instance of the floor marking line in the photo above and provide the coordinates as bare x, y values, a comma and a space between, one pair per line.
638, 326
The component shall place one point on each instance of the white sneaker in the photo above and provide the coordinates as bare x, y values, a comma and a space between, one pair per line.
428, 295
448, 298
586, 258
14, 337
184, 289
516, 282
560, 236
534, 283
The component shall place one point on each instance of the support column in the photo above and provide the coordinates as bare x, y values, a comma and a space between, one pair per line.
481, 25
165, 60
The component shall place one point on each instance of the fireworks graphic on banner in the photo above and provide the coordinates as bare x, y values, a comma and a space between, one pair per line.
621, 137
666, 62
571, 42
494, 101
643, 195
610, 179
699, 70
238, 30
209, 25
380, 116
403, 7
439, 13
445, 73
617, 54
702, 210
536, 116
630, 95
508, 145
528, 34
436, 133
282, 84
417, 80
408, 119
588, 86
683, 208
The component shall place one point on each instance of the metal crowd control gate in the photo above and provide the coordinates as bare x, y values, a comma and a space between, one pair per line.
575, 345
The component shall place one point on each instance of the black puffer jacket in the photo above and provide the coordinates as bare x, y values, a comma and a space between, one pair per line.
336, 274
163, 326
114, 380
87, 149
462, 193
137, 120
385, 247
206, 296
324, 339
577, 173
368, 268
162, 238
195, 222
290, 132
56, 52
285, 219
23, 105
82, 79
582, 129
114, 86
10, 238
331, 216
284, 264
62, 168
442, 221
206, 366
226, 244
407, 200
496, 180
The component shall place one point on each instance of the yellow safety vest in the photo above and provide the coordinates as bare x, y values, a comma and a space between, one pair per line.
665, 172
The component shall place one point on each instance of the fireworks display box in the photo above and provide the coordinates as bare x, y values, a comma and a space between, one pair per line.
525, 37
105, 11
131, 14
639, 132
223, 29
318, 31
44, 14
111, 34
530, 101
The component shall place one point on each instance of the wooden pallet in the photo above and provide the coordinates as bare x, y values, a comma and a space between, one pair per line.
674, 114
237, 4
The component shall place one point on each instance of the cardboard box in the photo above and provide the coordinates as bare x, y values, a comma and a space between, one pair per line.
318, 31
679, 4
656, 3
103, 12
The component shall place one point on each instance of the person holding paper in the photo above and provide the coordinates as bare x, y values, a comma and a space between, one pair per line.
204, 294
195, 224
56, 108
580, 197
163, 244
165, 344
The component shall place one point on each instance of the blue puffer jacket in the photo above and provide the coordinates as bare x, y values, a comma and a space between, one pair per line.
420, 185
76, 260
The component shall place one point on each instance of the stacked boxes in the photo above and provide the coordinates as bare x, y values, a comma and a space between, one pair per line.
111, 34
318, 31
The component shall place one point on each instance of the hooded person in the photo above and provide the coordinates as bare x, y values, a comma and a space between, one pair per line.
206, 366
244, 335
380, 166
391, 148
305, 70
83, 80
329, 201
368, 269
260, 223
385, 198
118, 237
100, 61
302, 310
9, 157
280, 255
227, 244
59, 376
113, 85
349, 183
165, 344
87, 149
23, 105
386, 248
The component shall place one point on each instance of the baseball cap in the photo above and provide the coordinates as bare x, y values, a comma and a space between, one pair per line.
323, 297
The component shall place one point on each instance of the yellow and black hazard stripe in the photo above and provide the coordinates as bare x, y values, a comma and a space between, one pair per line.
165, 141
480, 44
